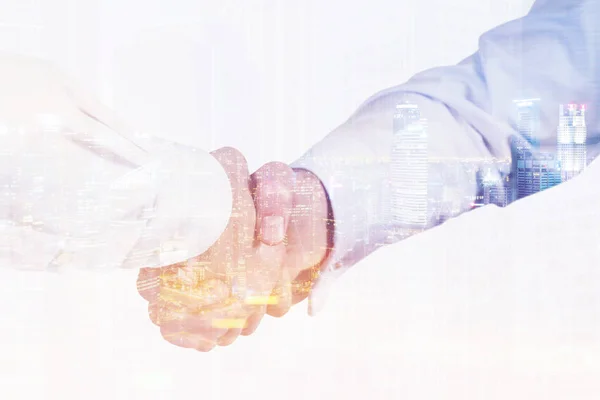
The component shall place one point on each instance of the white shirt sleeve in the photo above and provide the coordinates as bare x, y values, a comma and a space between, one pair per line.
78, 189
550, 54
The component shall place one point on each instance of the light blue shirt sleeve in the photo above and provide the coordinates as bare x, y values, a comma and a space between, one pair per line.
551, 54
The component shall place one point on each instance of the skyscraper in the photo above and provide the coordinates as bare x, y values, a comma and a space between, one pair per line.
409, 168
406, 114
524, 146
528, 120
535, 170
571, 140
496, 190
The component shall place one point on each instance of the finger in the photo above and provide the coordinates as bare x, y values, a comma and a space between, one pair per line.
263, 270
190, 341
283, 294
243, 218
148, 283
253, 321
204, 345
186, 329
149, 280
229, 337
195, 297
235, 165
172, 328
303, 283
272, 187
162, 313
204, 325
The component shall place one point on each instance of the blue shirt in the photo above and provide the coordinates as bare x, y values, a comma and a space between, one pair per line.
551, 54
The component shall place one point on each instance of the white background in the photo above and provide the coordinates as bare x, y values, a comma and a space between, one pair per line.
463, 311
270, 77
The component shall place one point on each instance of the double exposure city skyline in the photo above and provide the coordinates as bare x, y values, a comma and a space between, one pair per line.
411, 203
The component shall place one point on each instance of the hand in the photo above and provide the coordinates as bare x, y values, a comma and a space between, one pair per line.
222, 294
297, 199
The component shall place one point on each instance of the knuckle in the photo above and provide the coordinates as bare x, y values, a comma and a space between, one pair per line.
278, 166
278, 312
147, 284
205, 347
235, 155
275, 194
204, 344
275, 170
231, 157
228, 339
153, 314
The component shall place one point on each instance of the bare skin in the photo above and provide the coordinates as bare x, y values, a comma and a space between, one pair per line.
265, 261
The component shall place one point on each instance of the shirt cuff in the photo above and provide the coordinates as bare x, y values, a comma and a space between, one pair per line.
346, 187
353, 164
191, 209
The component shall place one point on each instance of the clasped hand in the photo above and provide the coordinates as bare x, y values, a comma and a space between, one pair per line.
264, 262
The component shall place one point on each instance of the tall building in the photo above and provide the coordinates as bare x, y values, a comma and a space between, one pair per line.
571, 140
549, 169
385, 200
406, 115
535, 171
525, 145
528, 120
409, 168
496, 190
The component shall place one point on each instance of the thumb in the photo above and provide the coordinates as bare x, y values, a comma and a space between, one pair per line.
272, 187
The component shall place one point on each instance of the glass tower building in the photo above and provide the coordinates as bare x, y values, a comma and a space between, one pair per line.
528, 120
524, 146
495, 190
571, 140
409, 169
535, 171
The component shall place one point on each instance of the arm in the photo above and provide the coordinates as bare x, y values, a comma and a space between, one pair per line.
78, 189
549, 54
469, 109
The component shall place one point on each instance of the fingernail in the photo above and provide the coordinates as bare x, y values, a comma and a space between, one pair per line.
272, 229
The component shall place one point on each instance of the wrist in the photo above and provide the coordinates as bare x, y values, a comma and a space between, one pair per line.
307, 182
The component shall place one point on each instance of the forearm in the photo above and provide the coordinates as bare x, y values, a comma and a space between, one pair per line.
360, 175
471, 116
79, 189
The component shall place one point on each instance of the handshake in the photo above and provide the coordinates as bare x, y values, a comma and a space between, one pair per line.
265, 261
56, 139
